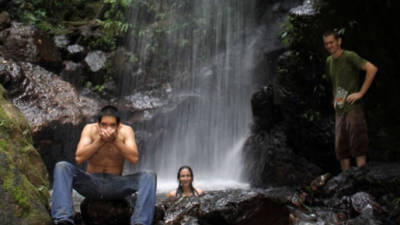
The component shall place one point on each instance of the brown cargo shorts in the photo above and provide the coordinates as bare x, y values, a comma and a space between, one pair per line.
351, 135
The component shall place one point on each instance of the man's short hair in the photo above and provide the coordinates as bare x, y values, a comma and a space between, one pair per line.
335, 34
109, 110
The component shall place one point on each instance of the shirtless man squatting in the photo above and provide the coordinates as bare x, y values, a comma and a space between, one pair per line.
104, 145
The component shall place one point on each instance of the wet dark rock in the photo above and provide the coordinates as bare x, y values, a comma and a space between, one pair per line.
357, 196
306, 9
233, 207
262, 104
73, 73
283, 123
61, 41
373, 176
124, 70
110, 88
270, 157
76, 52
243, 207
96, 60
42, 96
27, 43
362, 201
105, 212
271, 162
4, 20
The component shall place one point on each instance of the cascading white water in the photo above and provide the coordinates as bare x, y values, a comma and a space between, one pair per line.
208, 130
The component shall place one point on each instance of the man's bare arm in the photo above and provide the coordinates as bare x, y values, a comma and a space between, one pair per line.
86, 146
128, 147
369, 77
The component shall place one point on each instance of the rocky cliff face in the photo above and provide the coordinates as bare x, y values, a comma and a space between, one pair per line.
23, 177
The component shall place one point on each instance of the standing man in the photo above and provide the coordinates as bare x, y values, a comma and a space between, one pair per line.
343, 67
104, 145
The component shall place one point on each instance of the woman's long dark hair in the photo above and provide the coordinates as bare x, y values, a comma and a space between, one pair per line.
179, 190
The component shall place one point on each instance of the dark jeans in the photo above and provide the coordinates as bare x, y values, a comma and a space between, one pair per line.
102, 186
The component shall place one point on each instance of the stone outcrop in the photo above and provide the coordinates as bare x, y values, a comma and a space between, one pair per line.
27, 43
365, 196
42, 96
271, 158
23, 177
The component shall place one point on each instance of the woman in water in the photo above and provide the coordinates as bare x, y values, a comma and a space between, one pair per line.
185, 188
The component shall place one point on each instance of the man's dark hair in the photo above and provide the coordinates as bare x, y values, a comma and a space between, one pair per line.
332, 32
109, 110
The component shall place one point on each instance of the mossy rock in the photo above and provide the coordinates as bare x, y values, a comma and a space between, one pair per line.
23, 178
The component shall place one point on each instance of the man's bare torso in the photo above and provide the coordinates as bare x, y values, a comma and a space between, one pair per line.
107, 159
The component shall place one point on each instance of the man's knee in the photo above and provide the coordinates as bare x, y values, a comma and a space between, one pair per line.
63, 166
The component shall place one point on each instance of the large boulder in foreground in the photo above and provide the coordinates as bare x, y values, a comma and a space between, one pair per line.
23, 177
244, 207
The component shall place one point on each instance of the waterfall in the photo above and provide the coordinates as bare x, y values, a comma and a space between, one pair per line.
207, 51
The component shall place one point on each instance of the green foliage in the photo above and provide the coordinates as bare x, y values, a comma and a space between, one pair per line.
114, 27
287, 35
107, 42
115, 19
133, 59
311, 115
396, 201
98, 87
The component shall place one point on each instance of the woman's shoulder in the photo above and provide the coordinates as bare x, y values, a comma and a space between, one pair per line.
171, 194
199, 191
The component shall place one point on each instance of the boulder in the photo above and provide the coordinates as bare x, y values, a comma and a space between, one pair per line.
56, 112
24, 180
76, 52
43, 97
73, 72
357, 196
27, 43
96, 60
4, 20
102, 212
243, 207
269, 157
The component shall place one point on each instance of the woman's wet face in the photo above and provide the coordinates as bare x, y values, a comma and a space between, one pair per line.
185, 177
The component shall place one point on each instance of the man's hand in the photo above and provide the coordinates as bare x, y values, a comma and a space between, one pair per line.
107, 134
351, 99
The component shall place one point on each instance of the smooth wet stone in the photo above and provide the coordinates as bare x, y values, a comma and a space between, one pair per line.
75, 49
61, 41
105, 212
244, 207
96, 60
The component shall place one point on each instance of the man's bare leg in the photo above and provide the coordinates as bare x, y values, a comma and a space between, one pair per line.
361, 161
345, 164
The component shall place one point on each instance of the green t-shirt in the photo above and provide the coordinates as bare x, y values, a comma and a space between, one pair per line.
345, 77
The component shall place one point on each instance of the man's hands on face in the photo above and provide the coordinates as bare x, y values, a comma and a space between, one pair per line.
107, 134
